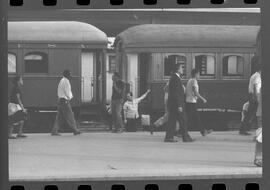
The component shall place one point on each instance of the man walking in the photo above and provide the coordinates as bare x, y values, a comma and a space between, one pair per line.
64, 111
176, 107
253, 89
192, 94
117, 103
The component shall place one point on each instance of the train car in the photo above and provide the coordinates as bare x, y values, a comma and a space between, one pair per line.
222, 53
40, 51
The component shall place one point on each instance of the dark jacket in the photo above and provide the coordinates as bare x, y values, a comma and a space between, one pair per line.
176, 93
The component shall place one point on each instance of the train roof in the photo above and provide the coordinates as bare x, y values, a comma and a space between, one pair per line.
56, 31
165, 35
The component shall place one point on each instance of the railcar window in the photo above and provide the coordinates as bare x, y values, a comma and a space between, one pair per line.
205, 64
233, 65
36, 62
12, 63
171, 60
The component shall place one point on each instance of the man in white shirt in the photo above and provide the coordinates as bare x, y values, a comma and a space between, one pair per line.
192, 94
131, 113
254, 92
64, 110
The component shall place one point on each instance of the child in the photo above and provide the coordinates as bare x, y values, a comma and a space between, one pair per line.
131, 113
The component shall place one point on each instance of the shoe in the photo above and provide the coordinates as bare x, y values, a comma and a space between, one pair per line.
244, 133
120, 131
152, 128
206, 132
77, 133
21, 136
170, 140
188, 139
55, 134
12, 137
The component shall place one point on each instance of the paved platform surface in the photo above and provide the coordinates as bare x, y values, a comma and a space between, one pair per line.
128, 156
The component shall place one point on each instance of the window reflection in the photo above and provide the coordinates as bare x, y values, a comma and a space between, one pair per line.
171, 60
233, 65
205, 64
36, 62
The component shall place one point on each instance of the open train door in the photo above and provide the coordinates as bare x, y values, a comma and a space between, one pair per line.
87, 77
144, 62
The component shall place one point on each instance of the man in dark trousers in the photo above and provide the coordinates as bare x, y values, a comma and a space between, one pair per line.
117, 103
64, 111
176, 106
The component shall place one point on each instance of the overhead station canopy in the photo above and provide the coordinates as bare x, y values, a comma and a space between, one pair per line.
174, 36
56, 32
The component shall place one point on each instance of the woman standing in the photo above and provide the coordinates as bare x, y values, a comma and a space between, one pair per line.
17, 112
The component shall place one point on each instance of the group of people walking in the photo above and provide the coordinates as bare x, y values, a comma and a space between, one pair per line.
65, 116
181, 106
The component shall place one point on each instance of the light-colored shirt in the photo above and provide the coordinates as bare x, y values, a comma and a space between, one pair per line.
64, 89
178, 75
131, 108
255, 80
190, 94
245, 108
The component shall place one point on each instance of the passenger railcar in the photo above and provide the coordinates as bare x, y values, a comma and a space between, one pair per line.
40, 51
222, 53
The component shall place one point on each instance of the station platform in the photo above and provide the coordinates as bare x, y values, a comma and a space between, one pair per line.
131, 156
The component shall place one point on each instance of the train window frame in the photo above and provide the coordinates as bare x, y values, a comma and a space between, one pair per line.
15, 56
36, 53
214, 55
184, 76
236, 76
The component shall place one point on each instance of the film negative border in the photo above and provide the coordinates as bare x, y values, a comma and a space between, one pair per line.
127, 4
222, 184
201, 184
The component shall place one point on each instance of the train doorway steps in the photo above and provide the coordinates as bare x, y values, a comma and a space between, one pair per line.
91, 112
88, 126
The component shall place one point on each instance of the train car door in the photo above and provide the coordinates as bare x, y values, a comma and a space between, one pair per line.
87, 76
144, 61
132, 73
